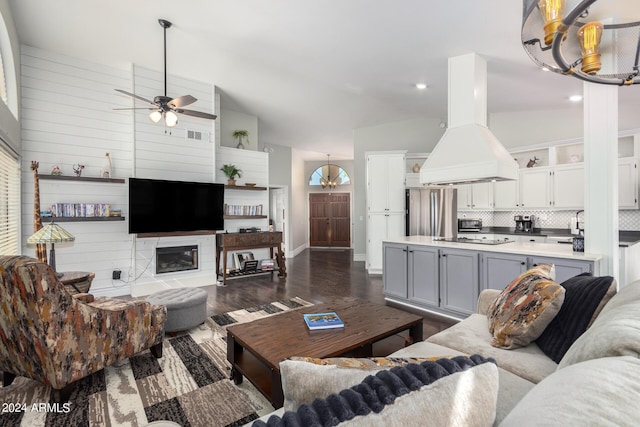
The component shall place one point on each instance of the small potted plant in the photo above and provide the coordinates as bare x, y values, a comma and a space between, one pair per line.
231, 171
240, 135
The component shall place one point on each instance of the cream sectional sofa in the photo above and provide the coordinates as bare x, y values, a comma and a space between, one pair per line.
596, 383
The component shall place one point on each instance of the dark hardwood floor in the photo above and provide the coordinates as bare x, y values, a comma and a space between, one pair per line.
315, 275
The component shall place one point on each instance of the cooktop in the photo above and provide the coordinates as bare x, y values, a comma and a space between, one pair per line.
473, 240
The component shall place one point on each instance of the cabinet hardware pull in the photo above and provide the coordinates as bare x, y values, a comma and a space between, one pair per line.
535, 265
522, 263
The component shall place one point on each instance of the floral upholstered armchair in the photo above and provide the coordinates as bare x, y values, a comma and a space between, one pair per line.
55, 338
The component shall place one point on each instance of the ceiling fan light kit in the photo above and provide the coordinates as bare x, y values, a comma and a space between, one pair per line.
595, 41
163, 106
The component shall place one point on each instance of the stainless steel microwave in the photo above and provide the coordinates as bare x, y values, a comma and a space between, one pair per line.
469, 224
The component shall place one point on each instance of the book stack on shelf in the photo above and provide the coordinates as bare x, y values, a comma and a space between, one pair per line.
80, 210
329, 320
267, 265
242, 210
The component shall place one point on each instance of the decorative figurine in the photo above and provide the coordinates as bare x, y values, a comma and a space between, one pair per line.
105, 172
532, 162
77, 169
55, 170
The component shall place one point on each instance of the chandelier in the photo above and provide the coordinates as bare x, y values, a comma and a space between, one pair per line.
595, 41
328, 182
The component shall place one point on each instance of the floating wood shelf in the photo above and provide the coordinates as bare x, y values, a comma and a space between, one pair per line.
244, 216
244, 187
47, 219
82, 178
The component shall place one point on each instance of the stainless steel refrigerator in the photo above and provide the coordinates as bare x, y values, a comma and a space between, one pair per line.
431, 211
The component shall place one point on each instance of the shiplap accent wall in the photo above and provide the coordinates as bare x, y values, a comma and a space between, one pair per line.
67, 119
166, 153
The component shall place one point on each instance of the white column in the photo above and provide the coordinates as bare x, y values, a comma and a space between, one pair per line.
601, 173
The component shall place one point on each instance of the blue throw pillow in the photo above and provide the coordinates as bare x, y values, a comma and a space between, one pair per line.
380, 391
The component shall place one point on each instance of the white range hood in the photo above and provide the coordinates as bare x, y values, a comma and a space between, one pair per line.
468, 151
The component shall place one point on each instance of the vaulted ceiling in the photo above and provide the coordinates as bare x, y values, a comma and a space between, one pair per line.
311, 71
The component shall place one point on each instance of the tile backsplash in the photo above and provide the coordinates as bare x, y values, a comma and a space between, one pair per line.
629, 220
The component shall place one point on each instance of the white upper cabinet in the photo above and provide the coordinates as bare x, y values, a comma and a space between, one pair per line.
506, 195
385, 182
535, 188
385, 203
475, 196
482, 195
568, 187
628, 183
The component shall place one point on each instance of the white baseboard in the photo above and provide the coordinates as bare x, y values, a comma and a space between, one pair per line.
423, 309
149, 287
298, 250
360, 257
112, 292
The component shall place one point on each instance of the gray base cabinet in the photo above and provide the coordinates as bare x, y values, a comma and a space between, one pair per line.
423, 283
565, 268
497, 270
394, 270
459, 284
448, 281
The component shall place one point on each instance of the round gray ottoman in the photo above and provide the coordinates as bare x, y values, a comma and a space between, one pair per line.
186, 307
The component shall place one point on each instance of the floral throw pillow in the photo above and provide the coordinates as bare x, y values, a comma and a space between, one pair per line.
524, 309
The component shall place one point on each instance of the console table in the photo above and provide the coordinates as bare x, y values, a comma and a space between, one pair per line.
229, 242
80, 281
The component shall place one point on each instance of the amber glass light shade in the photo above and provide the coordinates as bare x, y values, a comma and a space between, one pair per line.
552, 12
589, 36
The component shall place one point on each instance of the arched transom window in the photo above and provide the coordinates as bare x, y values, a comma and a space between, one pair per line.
329, 176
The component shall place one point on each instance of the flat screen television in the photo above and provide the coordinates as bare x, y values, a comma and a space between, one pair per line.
160, 206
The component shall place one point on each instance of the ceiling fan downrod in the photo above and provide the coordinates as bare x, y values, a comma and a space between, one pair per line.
165, 24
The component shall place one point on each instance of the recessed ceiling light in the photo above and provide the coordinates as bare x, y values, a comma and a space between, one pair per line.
421, 86
575, 98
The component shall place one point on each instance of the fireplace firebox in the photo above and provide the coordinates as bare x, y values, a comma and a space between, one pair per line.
176, 258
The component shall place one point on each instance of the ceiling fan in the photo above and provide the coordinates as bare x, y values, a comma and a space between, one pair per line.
163, 106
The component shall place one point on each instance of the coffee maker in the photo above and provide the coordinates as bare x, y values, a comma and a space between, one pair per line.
524, 223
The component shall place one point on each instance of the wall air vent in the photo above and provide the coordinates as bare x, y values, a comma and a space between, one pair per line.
196, 135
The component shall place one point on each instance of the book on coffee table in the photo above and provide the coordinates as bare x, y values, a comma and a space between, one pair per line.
329, 320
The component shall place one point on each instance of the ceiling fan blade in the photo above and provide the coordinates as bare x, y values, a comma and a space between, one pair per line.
137, 108
196, 114
135, 96
182, 101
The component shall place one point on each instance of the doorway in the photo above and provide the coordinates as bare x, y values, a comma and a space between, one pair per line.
278, 206
330, 219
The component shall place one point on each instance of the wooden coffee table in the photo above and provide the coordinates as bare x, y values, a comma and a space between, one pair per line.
255, 349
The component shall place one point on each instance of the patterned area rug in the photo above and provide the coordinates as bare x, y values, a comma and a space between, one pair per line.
189, 385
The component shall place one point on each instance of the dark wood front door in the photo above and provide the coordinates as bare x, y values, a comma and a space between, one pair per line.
330, 219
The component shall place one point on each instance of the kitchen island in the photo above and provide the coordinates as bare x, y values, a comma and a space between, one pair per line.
446, 277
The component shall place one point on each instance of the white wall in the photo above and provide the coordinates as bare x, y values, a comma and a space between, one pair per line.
9, 115
80, 129
299, 222
522, 128
415, 136
280, 177
513, 129
166, 153
233, 120
67, 119
279, 165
